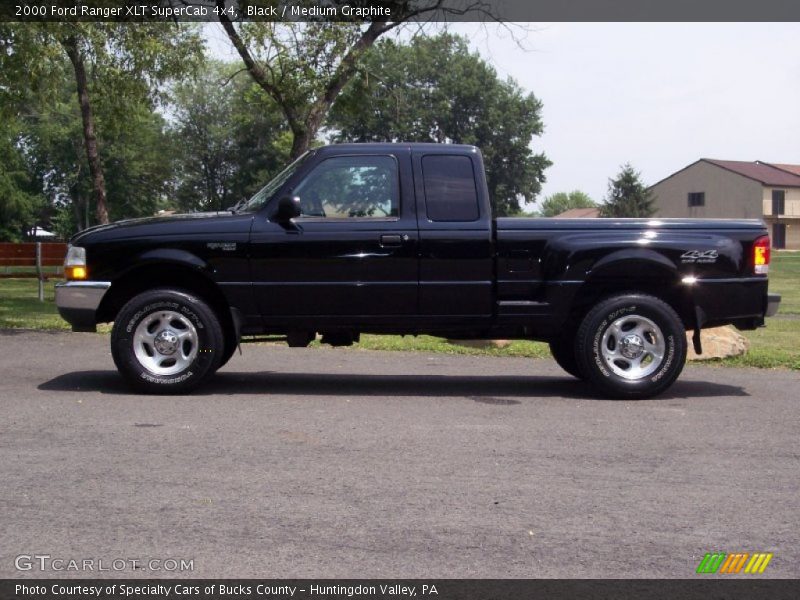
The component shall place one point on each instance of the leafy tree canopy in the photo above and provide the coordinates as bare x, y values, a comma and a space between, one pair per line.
156, 125
434, 89
133, 149
232, 138
304, 67
20, 202
117, 70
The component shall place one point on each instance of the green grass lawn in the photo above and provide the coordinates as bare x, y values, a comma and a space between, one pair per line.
784, 279
426, 343
770, 347
20, 306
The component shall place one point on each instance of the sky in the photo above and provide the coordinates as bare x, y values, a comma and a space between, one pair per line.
657, 95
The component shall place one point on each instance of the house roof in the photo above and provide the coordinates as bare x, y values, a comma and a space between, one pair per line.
764, 173
579, 213
795, 169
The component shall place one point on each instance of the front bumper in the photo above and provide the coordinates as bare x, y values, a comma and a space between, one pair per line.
773, 302
77, 302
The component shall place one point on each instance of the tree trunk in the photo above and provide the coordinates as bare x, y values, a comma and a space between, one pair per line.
301, 141
70, 44
78, 207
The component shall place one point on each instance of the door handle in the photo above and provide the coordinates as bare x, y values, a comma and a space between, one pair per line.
391, 240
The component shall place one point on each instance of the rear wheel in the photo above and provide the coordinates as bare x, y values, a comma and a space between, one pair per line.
631, 346
166, 341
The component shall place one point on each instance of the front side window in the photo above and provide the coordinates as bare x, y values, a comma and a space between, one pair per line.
351, 187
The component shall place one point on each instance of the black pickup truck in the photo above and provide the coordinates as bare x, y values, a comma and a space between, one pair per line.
400, 239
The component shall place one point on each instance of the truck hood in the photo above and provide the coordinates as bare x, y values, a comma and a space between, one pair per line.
173, 225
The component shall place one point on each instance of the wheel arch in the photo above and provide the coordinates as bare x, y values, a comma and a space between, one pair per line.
185, 275
636, 271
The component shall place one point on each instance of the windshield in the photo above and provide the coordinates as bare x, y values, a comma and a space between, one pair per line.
265, 193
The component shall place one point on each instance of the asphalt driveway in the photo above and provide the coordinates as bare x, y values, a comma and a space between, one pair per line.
348, 463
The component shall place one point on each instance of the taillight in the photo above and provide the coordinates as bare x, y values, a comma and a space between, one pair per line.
761, 255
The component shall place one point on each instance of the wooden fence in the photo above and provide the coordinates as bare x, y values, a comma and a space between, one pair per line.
29, 260
24, 255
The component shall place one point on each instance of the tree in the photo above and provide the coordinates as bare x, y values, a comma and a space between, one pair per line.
563, 201
20, 204
111, 62
139, 163
434, 89
233, 138
628, 196
137, 155
303, 67
72, 44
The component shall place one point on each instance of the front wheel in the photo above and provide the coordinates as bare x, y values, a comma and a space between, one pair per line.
563, 350
166, 341
631, 346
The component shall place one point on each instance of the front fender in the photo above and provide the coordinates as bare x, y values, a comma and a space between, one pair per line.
171, 255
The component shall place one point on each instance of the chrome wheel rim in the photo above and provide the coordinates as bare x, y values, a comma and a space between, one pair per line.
633, 347
165, 342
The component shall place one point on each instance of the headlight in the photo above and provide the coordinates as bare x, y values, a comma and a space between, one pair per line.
75, 263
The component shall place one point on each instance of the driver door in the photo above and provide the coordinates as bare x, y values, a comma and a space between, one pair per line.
352, 253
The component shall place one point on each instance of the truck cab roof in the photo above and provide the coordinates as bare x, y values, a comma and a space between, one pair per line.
395, 146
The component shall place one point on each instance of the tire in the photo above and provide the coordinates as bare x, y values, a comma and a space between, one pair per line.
166, 341
563, 351
229, 350
631, 346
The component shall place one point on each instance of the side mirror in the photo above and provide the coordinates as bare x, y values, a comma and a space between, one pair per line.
288, 209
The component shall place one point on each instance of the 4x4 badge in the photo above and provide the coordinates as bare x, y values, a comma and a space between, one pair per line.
699, 256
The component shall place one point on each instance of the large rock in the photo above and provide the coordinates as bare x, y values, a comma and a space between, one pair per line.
718, 342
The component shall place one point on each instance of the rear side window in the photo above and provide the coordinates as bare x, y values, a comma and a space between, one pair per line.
450, 193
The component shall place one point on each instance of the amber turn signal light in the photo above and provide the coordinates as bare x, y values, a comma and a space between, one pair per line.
76, 273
